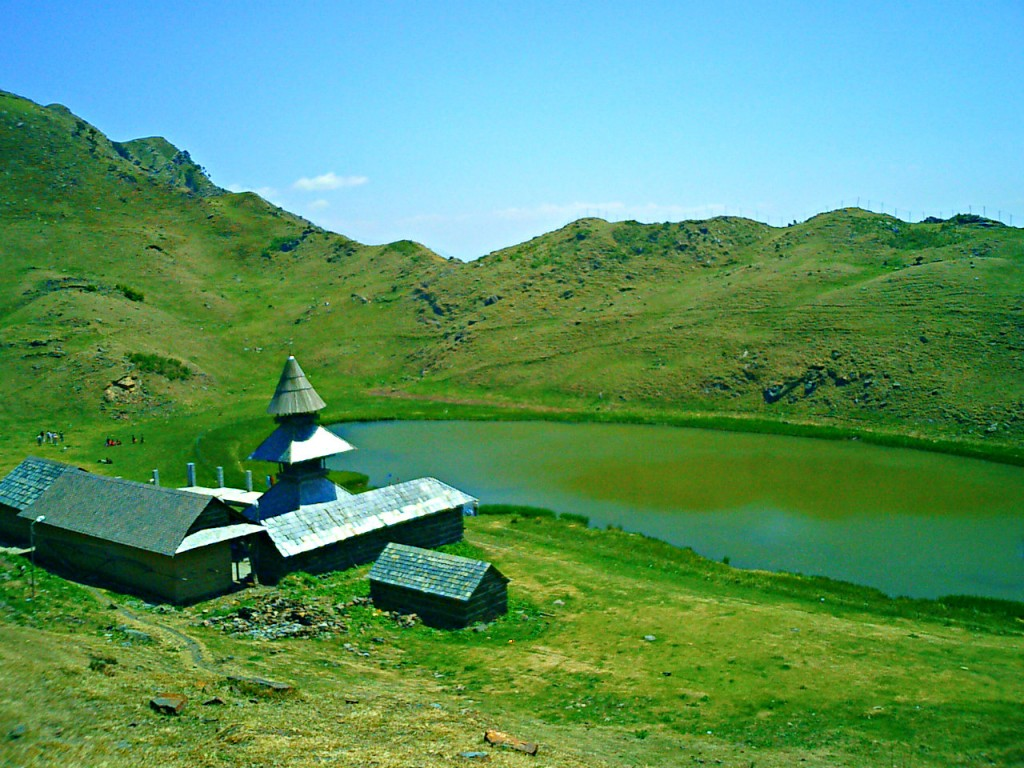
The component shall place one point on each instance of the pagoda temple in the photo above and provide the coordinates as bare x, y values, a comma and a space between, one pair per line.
299, 446
314, 525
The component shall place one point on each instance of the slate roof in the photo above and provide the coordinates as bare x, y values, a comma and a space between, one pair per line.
208, 536
317, 525
235, 496
425, 570
294, 393
134, 514
28, 480
295, 441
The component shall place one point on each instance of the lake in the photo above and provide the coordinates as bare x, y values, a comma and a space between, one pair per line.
907, 522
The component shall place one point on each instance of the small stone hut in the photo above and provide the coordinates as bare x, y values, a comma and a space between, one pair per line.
169, 544
19, 490
445, 591
314, 525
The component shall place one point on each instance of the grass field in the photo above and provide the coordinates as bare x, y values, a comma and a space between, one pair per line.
617, 650
140, 300
124, 260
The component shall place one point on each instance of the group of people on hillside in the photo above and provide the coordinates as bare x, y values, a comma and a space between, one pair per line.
112, 442
47, 436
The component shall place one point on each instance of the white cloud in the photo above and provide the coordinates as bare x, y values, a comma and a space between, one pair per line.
319, 205
328, 181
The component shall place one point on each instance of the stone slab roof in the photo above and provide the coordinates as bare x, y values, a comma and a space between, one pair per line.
318, 525
238, 496
29, 480
425, 570
293, 442
134, 514
209, 536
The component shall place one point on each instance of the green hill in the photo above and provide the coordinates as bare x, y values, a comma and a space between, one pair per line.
124, 258
140, 298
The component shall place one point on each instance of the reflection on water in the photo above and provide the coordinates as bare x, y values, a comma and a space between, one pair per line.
907, 522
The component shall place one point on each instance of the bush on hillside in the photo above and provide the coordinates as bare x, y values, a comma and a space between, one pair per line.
168, 367
130, 293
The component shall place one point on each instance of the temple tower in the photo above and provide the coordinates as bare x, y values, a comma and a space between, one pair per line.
299, 446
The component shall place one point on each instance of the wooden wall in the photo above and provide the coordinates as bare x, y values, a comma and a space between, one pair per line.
185, 578
13, 531
488, 601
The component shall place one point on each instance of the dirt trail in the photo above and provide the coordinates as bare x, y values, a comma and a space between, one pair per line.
196, 652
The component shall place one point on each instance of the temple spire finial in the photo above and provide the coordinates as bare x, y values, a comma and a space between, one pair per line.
294, 394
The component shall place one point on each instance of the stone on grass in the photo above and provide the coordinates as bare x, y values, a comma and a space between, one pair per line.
168, 703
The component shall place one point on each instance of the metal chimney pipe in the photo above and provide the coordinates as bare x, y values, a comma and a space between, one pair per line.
156, 477
220, 477
248, 480
190, 473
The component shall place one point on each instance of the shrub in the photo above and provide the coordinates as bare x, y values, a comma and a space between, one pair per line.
130, 293
168, 367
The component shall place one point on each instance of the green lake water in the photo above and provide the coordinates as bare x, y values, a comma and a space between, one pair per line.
907, 522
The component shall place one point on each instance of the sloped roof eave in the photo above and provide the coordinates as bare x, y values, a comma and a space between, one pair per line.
109, 508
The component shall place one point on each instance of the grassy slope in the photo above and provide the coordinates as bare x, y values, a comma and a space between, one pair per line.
598, 320
902, 330
868, 323
744, 667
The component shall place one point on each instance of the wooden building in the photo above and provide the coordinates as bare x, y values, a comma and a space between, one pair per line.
316, 526
158, 542
445, 591
317, 538
19, 490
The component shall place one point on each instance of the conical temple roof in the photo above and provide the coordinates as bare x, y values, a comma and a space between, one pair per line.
294, 394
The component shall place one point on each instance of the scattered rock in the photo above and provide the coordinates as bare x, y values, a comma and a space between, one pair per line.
259, 685
475, 755
650, 638
216, 701
499, 739
135, 635
17, 732
168, 703
274, 617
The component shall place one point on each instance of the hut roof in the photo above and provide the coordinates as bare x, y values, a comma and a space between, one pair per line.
29, 480
294, 393
425, 570
317, 525
136, 515
293, 442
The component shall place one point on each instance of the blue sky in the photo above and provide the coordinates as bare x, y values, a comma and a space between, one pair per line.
471, 126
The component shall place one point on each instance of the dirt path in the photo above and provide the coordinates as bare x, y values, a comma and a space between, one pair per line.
186, 644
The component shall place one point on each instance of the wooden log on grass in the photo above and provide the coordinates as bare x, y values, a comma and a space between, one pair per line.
499, 739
